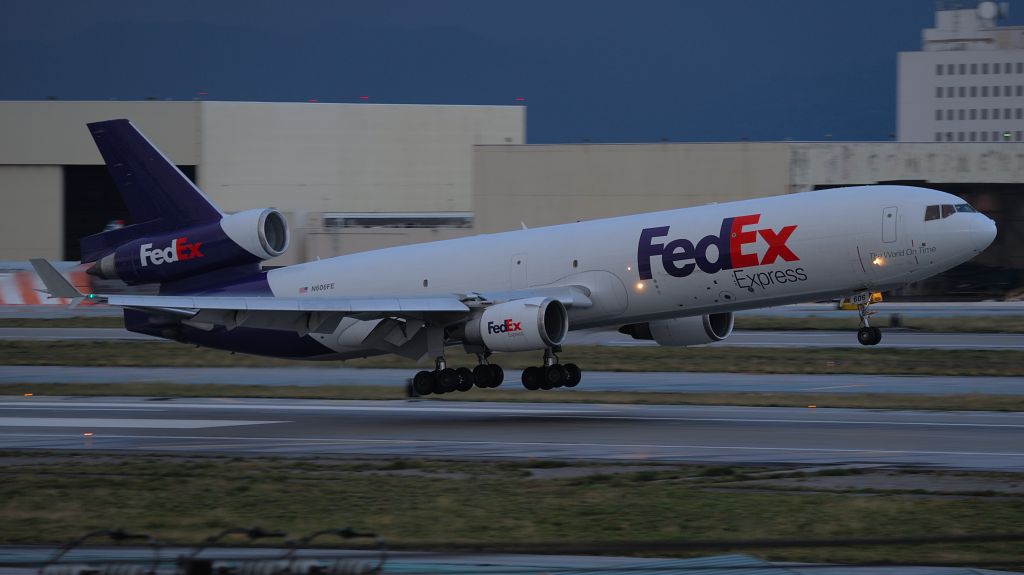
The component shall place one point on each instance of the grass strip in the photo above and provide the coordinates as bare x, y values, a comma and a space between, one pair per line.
972, 402
47, 498
832, 322
862, 360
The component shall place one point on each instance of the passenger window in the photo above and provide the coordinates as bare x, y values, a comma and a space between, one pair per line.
947, 210
966, 208
931, 213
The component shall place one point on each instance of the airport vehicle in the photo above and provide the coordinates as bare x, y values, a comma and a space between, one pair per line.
674, 277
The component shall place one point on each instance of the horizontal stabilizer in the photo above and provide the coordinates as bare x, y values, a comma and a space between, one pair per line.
56, 284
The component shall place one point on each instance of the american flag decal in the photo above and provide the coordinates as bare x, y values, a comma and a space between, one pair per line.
303, 289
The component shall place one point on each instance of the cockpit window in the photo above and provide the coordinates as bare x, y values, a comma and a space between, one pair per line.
945, 210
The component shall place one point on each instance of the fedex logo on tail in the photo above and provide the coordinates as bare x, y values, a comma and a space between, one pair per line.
179, 250
680, 257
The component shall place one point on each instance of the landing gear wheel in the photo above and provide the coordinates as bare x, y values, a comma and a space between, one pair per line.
447, 380
499, 374
423, 383
555, 376
483, 375
465, 379
869, 335
574, 373
532, 378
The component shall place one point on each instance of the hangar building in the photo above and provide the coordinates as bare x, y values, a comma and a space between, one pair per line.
352, 177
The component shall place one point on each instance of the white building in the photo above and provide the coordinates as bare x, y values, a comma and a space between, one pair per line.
967, 82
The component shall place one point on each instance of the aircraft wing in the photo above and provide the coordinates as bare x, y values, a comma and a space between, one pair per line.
303, 315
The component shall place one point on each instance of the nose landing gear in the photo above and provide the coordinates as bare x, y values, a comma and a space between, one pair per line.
867, 335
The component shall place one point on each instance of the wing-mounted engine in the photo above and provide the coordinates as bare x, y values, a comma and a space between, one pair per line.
519, 325
682, 331
243, 238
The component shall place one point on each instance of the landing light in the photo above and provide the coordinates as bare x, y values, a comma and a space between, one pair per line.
639, 286
878, 261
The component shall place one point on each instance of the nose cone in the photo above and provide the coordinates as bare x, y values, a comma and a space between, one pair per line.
983, 232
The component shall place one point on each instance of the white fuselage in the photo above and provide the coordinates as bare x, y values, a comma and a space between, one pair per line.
803, 247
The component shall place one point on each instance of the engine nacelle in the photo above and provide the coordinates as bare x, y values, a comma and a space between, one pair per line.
519, 325
681, 331
246, 237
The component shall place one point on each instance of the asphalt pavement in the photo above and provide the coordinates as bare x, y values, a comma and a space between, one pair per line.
451, 429
678, 382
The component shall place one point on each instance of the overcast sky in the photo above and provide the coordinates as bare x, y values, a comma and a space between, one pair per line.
597, 70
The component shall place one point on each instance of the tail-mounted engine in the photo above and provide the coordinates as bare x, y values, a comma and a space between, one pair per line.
519, 325
243, 238
680, 331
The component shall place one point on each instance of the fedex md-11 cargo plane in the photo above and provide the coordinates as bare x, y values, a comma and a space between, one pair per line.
674, 277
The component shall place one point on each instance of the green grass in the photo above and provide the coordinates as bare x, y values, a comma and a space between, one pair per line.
975, 402
874, 360
433, 504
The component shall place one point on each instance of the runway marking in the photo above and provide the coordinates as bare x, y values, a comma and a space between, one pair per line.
47, 408
836, 386
434, 408
342, 440
816, 421
89, 423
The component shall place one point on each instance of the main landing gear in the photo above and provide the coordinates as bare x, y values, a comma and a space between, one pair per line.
446, 380
552, 374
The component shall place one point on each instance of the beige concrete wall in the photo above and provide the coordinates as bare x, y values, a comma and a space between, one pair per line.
868, 163
347, 157
54, 133
31, 221
545, 185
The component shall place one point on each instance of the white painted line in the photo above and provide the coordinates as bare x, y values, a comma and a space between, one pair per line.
797, 421
92, 423
403, 408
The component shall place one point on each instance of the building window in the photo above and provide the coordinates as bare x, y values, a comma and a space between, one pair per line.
1007, 68
984, 68
960, 114
938, 136
974, 91
984, 136
974, 68
984, 113
938, 92
963, 69
938, 115
949, 136
963, 91
959, 136
1020, 90
1007, 91
974, 136
1020, 68
1017, 135
984, 91
949, 69
995, 113
1017, 114
974, 113
938, 69
995, 91
995, 136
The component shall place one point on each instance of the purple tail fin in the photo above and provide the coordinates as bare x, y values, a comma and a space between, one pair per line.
158, 196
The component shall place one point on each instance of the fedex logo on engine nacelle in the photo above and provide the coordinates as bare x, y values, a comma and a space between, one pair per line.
679, 257
504, 327
179, 250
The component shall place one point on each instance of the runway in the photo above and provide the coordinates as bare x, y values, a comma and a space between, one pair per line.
676, 382
893, 338
450, 429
